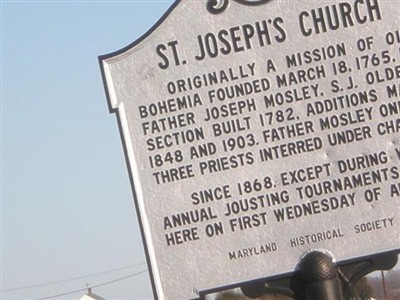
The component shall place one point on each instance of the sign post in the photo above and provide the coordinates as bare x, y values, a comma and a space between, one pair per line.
258, 131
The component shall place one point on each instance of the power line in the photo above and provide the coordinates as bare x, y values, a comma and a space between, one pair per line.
69, 279
93, 286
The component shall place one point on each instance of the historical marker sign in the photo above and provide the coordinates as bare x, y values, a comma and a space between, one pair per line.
255, 133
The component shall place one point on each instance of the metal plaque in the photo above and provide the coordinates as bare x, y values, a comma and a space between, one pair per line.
256, 131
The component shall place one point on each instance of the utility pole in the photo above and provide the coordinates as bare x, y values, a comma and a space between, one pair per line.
384, 285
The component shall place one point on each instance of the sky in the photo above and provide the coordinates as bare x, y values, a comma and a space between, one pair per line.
67, 208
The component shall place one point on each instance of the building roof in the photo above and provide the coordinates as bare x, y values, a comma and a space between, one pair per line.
91, 296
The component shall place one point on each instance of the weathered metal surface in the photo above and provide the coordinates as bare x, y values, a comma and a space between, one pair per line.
259, 133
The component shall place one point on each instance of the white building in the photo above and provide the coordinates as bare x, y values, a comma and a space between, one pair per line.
91, 296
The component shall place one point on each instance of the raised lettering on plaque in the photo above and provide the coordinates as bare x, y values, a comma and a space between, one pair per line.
256, 131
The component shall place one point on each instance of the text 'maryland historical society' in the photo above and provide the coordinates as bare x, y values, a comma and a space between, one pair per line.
255, 133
